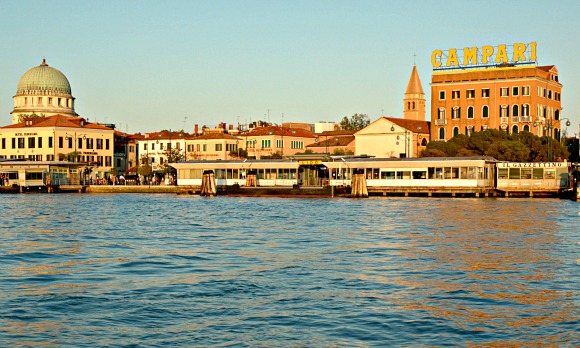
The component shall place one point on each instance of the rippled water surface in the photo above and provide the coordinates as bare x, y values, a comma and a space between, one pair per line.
166, 270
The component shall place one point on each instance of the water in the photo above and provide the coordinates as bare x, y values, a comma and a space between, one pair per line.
164, 270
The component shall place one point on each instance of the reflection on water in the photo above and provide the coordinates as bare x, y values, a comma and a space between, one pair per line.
163, 270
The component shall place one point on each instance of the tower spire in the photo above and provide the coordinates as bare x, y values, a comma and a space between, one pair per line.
414, 101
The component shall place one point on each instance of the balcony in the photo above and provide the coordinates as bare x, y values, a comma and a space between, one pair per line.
504, 120
440, 122
515, 119
525, 119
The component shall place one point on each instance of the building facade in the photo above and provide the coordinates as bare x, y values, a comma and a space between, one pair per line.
277, 141
57, 138
510, 93
213, 146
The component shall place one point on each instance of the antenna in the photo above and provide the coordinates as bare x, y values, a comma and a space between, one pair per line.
184, 119
414, 56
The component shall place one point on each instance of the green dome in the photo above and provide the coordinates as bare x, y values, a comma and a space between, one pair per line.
43, 79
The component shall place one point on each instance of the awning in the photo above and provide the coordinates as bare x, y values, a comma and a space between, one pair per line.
131, 170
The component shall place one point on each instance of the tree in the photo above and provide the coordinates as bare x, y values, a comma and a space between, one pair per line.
243, 153
508, 150
32, 115
342, 152
173, 155
356, 122
144, 170
70, 157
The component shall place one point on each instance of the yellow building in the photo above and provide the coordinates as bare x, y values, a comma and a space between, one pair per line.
59, 137
212, 146
277, 141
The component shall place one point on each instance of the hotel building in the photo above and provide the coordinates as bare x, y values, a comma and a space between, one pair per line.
510, 94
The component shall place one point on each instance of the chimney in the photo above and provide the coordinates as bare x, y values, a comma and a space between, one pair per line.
195, 129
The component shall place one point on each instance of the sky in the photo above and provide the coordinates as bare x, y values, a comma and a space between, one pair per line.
152, 65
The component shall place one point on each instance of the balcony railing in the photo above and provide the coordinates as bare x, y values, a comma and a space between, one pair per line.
504, 119
440, 122
525, 119
515, 119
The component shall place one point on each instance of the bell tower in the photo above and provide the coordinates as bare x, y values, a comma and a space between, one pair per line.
414, 102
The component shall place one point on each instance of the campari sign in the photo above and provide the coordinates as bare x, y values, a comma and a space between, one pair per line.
484, 56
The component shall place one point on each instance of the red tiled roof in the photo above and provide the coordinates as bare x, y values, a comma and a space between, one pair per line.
213, 136
344, 140
412, 125
58, 121
338, 132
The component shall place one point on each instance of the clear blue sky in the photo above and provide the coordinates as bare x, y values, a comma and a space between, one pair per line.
149, 65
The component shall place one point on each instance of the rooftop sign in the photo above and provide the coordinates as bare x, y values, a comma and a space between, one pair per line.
485, 56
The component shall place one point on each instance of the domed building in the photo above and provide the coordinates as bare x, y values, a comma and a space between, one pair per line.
43, 91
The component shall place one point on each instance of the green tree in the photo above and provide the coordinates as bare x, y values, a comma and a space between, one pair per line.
508, 150
479, 142
355, 122
342, 152
145, 170
243, 153
173, 155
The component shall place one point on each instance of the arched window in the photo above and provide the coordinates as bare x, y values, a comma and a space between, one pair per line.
557, 115
504, 111
526, 128
441, 133
455, 131
526, 110
408, 105
485, 111
456, 113
515, 110
515, 129
413, 105
470, 112
441, 114
424, 142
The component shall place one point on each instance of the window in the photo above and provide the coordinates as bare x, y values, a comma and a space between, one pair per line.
470, 93
485, 92
515, 129
526, 128
3, 143
456, 113
198, 147
108, 161
50, 142
106, 144
144, 146
60, 142
218, 147
204, 147
31, 143
526, 90
266, 143
279, 143
549, 94
503, 111
455, 131
441, 95
152, 145
70, 142
441, 133
40, 142
485, 111
21, 143
455, 94
526, 110
80, 143
441, 113
13, 143
515, 110
100, 145
515, 91
504, 92
296, 144
470, 112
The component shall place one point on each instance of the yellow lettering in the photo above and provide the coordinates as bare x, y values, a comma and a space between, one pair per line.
533, 49
470, 55
452, 57
519, 52
501, 55
436, 58
487, 51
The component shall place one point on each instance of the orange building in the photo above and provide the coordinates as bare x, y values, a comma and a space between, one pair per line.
504, 96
